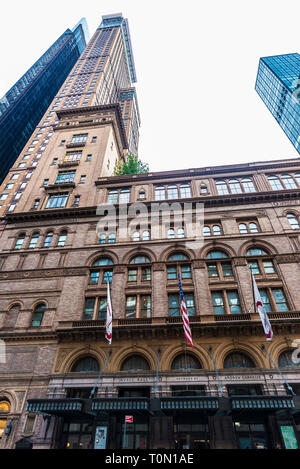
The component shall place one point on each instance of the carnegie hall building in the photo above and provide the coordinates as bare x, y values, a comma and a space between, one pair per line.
62, 384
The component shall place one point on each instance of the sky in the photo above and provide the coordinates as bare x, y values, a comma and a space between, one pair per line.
196, 64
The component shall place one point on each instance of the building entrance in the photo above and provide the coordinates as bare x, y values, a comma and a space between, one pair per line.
190, 433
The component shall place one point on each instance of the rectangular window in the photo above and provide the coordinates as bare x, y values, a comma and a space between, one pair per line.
29, 426
131, 307
212, 270
107, 276
265, 300
145, 306
226, 269
82, 179
89, 308
57, 200
45, 183
174, 304
172, 274
186, 271
253, 266
94, 277
234, 303
269, 267
218, 302
65, 176
76, 200
9, 186
80, 138
3, 196
280, 300
73, 156
132, 275
146, 274
102, 308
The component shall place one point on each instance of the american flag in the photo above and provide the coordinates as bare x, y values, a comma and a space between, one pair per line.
185, 316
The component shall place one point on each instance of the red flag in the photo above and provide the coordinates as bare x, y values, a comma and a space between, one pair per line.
261, 310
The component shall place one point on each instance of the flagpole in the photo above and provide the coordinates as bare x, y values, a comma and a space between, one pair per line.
217, 374
282, 377
100, 374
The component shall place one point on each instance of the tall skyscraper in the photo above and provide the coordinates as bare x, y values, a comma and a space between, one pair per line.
102, 76
22, 107
278, 85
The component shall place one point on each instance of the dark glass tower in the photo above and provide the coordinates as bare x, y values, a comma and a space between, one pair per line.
278, 85
25, 103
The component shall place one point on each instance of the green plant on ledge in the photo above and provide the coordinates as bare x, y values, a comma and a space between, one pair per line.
132, 165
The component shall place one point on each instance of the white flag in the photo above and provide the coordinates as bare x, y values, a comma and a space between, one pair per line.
108, 333
260, 308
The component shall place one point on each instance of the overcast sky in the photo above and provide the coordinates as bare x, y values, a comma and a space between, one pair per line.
196, 64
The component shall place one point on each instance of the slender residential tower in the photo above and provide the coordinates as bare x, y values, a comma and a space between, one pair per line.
278, 85
22, 107
102, 72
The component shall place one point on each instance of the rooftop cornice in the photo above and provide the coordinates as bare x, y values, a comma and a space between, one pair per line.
205, 171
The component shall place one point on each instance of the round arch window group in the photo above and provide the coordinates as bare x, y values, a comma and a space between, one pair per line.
184, 361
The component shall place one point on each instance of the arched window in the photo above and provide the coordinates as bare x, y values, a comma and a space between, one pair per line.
256, 251
112, 238
238, 360
136, 236
38, 315
285, 359
216, 255
288, 181
203, 189
235, 186
34, 240
160, 193
222, 187
101, 275
102, 238
20, 241
186, 361
48, 239
146, 235
140, 260
293, 221
86, 364
62, 238
253, 227
178, 256
172, 192
102, 261
4, 411
216, 230
206, 231
171, 233
180, 233
275, 183
135, 363
243, 228
142, 194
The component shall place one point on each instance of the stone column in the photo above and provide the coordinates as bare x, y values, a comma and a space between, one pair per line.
159, 290
117, 292
203, 303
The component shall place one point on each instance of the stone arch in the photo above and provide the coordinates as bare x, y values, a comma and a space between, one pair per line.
217, 246
253, 351
11, 397
176, 248
119, 359
71, 358
257, 243
140, 251
170, 354
101, 253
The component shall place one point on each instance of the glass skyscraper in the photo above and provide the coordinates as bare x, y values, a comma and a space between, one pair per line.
22, 107
278, 85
